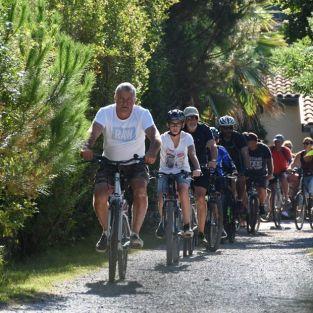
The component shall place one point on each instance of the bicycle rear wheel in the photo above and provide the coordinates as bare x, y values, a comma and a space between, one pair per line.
253, 220
169, 231
113, 242
214, 225
299, 210
123, 252
277, 208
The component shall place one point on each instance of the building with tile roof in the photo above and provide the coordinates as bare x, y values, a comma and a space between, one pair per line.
296, 119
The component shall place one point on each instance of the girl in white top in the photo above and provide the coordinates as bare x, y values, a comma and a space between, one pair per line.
176, 147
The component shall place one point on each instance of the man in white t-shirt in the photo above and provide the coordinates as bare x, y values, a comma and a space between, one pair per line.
176, 147
124, 126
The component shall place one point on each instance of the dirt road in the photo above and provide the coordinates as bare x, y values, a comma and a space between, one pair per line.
271, 272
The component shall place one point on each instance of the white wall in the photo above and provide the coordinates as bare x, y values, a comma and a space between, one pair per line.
287, 123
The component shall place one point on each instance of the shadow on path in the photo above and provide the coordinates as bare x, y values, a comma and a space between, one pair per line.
106, 289
296, 243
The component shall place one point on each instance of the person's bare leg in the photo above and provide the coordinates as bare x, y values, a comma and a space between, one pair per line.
200, 193
183, 190
241, 188
100, 203
262, 193
140, 204
284, 186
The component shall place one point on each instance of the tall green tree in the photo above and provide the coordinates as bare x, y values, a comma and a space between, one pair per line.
124, 35
214, 57
44, 91
297, 14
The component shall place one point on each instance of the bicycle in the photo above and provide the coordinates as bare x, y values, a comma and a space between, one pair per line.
214, 221
303, 205
253, 214
189, 244
118, 222
171, 217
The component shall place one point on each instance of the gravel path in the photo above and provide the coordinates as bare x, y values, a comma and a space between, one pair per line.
271, 272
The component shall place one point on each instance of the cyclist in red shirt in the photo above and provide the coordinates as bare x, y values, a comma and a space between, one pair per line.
281, 158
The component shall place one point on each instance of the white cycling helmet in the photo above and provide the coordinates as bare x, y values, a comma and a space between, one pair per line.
226, 121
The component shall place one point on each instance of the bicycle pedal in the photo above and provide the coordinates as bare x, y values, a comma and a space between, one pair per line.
126, 245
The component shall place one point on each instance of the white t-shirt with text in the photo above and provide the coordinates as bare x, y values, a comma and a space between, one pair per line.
123, 138
174, 160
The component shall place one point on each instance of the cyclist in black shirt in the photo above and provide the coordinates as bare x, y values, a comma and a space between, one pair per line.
261, 167
203, 140
236, 145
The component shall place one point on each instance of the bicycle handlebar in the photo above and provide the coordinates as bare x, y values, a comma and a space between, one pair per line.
101, 158
183, 173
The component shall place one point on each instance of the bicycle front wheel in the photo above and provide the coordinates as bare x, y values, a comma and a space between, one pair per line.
189, 244
299, 210
214, 225
310, 212
277, 208
253, 219
123, 252
113, 243
169, 232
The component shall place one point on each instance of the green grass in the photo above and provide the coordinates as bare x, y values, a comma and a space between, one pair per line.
36, 277
311, 252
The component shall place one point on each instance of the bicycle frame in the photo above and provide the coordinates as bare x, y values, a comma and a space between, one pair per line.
118, 197
171, 196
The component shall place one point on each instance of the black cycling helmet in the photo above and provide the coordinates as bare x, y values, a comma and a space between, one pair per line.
175, 115
215, 132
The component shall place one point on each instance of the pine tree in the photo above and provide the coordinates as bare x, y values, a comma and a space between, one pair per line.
44, 91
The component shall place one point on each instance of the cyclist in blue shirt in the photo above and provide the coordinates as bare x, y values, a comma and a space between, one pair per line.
224, 163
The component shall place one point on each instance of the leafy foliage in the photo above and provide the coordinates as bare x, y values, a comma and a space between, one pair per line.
44, 91
214, 57
124, 35
296, 63
298, 14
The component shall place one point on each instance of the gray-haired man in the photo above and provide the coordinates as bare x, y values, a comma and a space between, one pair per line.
124, 126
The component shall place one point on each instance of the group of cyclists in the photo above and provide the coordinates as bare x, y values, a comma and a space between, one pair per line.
188, 145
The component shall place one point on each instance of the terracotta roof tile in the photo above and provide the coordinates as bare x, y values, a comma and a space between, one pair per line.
306, 109
281, 88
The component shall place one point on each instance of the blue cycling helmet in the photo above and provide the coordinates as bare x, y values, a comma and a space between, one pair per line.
226, 121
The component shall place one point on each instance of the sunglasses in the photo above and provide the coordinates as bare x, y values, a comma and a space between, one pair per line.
227, 127
307, 143
192, 118
175, 124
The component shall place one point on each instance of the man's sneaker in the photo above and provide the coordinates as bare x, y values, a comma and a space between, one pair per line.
202, 240
286, 200
135, 241
186, 232
102, 244
160, 232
